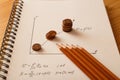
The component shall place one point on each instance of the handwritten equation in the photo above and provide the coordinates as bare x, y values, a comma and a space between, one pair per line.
37, 69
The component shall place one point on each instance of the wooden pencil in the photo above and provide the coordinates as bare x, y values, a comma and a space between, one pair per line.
89, 58
79, 56
101, 67
78, 64
89, 62
94, 69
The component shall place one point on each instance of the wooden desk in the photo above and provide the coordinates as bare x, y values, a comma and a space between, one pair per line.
5, 9
6, 5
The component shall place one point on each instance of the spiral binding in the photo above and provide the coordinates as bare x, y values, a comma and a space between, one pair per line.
9, 38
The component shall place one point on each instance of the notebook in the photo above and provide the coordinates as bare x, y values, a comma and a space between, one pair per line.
29, 23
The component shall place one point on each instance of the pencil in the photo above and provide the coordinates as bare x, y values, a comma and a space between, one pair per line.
99, 65
92, 60
77, 63
79, 58
96, 72
87, 63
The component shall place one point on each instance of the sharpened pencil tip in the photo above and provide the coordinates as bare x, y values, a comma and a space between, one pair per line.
69, 46
79, 47
58, 44
73, 46
61, 45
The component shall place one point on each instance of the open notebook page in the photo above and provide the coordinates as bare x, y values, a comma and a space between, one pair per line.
91, 30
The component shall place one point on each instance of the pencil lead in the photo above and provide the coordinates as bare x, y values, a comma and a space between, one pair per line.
73, 46
63, 45
58, 44
69, 46
79, 47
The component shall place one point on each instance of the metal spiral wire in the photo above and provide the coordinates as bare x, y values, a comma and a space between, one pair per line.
9, 38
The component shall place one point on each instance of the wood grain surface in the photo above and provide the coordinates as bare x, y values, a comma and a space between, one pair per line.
113, 9
5, 9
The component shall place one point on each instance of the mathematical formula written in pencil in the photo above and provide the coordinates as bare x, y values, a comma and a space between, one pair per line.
37, 69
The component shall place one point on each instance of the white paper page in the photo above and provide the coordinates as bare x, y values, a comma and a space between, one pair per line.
91, 30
